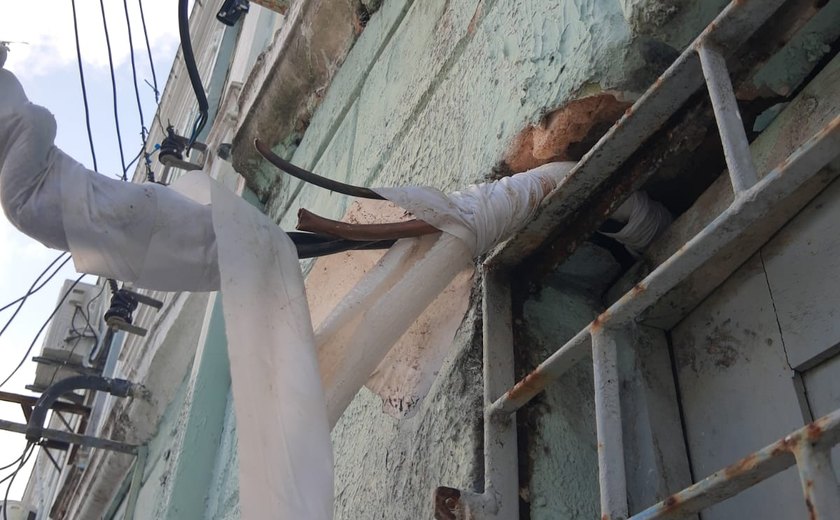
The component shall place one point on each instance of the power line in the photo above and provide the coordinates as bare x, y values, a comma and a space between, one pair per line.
84, 90
32, 291
24, 458
113, 87
149, 51
134, 73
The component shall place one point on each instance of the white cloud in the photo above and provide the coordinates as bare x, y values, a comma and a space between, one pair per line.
47, 26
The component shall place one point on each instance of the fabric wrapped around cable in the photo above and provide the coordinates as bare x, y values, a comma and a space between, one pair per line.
290, 384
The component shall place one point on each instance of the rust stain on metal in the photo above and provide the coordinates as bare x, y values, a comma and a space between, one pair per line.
597, 323
742, 466
672, 502
639, 288
809, 489
530, 385
814, 431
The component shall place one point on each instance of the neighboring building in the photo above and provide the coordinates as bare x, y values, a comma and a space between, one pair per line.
728, 345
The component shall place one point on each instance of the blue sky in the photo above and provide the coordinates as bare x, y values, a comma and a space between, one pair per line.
48, 70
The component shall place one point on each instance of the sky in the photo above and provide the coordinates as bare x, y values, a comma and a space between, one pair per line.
48, 70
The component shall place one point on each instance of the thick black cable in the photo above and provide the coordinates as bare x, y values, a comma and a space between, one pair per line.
143, 130
192, 71
149, 51
84, 89
44, 326
113, 87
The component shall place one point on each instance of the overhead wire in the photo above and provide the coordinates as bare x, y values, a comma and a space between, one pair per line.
149, 51
143, 130
32, 289
113, 88
41, 330
84, 89
24, 458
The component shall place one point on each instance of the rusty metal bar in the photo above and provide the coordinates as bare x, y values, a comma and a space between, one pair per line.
819, 483
29, 402
818, 436
732, 27
611, 474
501, 481
755, 204
736, 148
72, 438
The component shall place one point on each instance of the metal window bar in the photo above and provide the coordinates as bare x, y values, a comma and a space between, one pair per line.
754, 200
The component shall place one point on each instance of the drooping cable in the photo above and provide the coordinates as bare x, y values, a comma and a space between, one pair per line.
113, 88
192, 71
149, 51
41, 330
32, 289
84, 89
24, 458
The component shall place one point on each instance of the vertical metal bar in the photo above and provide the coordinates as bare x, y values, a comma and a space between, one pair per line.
136, 481
736, 148
611, 475
819, 484
501, 477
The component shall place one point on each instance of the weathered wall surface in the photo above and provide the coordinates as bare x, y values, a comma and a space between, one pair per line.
435, 92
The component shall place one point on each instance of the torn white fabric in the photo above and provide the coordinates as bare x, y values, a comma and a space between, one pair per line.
484, 214
285, 452
354, 340
284, 399
644, 220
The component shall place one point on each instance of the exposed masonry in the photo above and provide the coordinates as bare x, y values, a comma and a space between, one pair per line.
566, 133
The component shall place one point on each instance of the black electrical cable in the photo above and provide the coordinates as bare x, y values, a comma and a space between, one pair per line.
113, 87
78, 340
44, 326
192, 71
84, 89
143, 130
149, 51
32, 289
23, 460
9, 465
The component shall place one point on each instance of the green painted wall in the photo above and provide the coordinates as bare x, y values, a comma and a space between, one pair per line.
432, 93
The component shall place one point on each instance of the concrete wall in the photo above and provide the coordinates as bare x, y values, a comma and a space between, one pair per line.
435, 92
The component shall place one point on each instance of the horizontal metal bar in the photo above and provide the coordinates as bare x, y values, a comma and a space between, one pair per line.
736, 148
755, 204
747, 472
72, 438
30, 401
732, 27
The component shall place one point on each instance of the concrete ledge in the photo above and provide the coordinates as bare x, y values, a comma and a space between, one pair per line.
289, 79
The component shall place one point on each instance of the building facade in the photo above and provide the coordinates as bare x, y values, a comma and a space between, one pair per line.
716, 340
